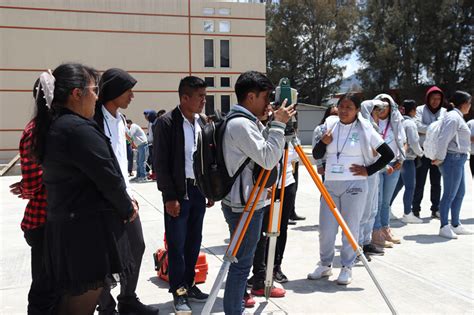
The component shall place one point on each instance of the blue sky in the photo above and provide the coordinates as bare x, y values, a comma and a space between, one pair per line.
352, 65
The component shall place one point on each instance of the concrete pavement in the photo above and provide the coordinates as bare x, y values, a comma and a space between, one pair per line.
426, 274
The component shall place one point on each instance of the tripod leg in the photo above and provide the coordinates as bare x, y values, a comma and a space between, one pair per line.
236, 239
341, 222
273, 230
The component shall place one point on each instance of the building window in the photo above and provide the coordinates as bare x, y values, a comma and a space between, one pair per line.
208, 11
225, 82
209, 26
225, 59
224, 26
224, 11
209, 81
210, 105
225, 103
208, 53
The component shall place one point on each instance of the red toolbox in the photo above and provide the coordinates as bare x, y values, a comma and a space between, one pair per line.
161, 265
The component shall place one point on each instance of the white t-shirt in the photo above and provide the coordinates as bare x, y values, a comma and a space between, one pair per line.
137, 134
115, 129
388, 136
345, 150
191, 133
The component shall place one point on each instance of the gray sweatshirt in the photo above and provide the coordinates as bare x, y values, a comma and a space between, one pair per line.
244, 138
454, 136
413, 139
424, 117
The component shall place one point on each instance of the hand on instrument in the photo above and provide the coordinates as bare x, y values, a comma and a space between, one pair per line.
327, 137
283, 114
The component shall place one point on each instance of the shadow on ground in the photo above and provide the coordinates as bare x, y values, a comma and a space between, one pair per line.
305, 286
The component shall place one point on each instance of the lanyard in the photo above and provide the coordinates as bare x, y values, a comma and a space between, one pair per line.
385, 131
338, 153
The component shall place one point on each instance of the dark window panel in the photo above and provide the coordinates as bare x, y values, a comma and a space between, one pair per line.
208, 53
225, 54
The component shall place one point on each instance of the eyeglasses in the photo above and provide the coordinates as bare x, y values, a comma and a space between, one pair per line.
95, 88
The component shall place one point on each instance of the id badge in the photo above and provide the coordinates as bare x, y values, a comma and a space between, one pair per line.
337, 168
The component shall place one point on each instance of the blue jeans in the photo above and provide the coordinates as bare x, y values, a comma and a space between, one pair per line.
239, 271
454, 187
407, 179
386, 188
142, 152
184, 235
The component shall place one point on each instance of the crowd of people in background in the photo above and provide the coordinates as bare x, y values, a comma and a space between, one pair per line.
82, 219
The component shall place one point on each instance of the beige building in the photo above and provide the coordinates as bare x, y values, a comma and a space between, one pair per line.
157, 41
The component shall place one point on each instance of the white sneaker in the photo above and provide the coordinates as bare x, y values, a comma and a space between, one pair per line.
461, 230
392, 216
319, 272
447, 232
345, 277
411, 218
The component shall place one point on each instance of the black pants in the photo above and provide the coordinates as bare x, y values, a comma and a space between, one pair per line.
42, 299
127, 290
149, 161
259, 260
435, 179
184, 235
471, 164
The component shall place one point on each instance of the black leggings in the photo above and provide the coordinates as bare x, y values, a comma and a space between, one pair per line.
471, 164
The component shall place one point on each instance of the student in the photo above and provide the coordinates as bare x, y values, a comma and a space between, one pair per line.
150, 116
139, 141
408, 172
174, 144
88, 206
243, 139
115, 94
453, 147
347, 145
42, 298
425, 115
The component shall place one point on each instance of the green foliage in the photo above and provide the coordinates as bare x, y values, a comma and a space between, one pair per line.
409, 43
305, 39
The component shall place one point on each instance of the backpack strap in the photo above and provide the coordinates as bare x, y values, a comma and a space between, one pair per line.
247, 161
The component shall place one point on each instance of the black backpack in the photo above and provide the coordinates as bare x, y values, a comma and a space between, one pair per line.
210, 170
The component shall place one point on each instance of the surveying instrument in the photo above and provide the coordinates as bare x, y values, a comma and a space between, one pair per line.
283, 91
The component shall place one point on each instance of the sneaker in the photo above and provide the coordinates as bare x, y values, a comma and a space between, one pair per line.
274, 293
392, 216
378, 239
250, 282
291, 222
447, 232
180, 302
345, 276
411, 218
367, 256
461, 230
388, 235
278, 275
435, 215
319, 272
136, 307
296, 217
371, 249
249, 301
112, 312
195, 295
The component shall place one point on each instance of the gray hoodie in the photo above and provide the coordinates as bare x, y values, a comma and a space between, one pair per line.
413, 139
396, 120
244, 138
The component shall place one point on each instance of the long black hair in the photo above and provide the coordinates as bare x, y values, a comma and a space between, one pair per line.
68, 77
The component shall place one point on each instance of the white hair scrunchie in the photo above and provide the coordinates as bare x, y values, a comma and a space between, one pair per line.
47, 85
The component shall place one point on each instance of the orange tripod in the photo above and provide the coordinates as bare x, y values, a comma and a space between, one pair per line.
239, 233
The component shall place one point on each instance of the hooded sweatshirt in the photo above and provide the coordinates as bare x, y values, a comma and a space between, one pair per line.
151, 116
424, 116
396, 120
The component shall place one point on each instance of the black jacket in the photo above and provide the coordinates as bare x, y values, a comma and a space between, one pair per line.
168, 155
81, 173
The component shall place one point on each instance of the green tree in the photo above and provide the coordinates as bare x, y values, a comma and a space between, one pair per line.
305, 41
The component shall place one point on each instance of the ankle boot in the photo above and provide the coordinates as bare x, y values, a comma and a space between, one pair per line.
378, 239
388, 235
